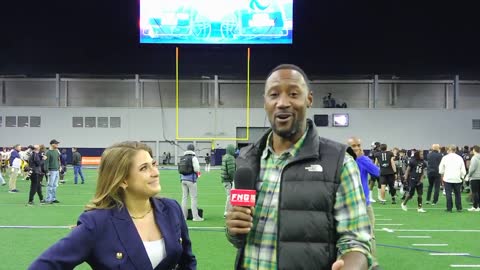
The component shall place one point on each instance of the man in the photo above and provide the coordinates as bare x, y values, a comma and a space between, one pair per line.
388, 170
189, 167
228, 171
15, 164
374, 149
366, 167
25, 156
169, 157
310, 211
3, 160
474, 178
452, 169
466, 155
414, 175
433, 161
77, 166
35, 162
52, 167
207, 162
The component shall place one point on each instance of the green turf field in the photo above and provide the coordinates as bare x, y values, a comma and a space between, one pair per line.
19, 246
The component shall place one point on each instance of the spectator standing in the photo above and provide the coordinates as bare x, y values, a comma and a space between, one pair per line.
77, 166
35, 162
228, 172
207, 162
15, 164
452, 169
63, 165
189, 168
433, 161
474, 178
52, 167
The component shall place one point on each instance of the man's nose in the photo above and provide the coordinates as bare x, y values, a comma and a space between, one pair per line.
283, 101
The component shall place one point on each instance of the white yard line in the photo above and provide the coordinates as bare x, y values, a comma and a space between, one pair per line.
465, 265
434, 230
449, 254
414, 236
388, 230
206, 227
384, 224
430, 245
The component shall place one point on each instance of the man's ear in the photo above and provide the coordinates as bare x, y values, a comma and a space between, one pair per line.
310, 99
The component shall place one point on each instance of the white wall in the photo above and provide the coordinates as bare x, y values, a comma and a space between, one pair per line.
121, 93
406, 128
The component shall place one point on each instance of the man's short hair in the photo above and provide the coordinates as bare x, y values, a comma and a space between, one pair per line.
383, 147
476, 148
452, 148
291, 67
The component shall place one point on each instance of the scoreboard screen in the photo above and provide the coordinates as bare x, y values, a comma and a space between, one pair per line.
216, 21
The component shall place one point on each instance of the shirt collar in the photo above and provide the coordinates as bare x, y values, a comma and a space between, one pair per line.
291, 152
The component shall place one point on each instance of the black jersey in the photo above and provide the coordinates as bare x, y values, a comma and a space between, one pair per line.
417, 167
384, 160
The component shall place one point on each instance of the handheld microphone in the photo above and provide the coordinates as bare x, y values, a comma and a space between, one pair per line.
244, 192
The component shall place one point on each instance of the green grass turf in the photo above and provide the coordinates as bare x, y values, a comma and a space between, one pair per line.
21, 246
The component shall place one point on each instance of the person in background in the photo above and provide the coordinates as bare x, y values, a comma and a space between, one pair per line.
36, 163
164, 158
25, 156
366, 168
77, 166
63, 165
15, 164
52, 167
374, 149
2, 180
310, 211
474, 178
4, 160
189, 182
228, 172
207, 162
452, 169
169, 157
125, 225
388, 170
433, 161
414, 175
43, 153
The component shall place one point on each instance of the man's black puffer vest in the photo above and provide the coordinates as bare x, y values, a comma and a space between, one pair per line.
306, 225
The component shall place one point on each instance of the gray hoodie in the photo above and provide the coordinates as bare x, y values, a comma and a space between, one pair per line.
196, 167
474, 169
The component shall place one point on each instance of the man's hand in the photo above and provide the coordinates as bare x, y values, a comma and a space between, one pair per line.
351, 261
338, 265
239, 220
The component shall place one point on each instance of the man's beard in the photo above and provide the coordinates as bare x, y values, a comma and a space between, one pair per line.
287, 133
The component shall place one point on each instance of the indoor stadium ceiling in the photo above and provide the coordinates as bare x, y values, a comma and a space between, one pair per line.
338, 37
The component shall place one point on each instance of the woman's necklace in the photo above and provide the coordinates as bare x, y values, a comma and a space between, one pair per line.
144, 215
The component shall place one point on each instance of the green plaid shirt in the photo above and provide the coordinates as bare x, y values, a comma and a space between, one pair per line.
350, 210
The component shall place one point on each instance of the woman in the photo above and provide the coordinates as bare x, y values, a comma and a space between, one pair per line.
125, 226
